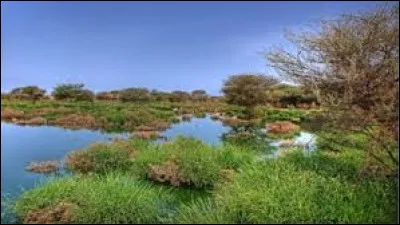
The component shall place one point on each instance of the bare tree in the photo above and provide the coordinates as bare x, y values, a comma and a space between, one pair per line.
351, 64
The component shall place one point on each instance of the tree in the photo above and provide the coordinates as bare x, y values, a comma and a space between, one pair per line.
135, 95
29, 92
199, 95
75, 92
351, 63
247, 90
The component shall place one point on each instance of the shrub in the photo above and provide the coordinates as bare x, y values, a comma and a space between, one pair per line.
135, 95
247, 89
74, 92
179, 96
199, 95
29, 92
85, 95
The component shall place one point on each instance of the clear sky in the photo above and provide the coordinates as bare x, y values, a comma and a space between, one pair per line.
162, 45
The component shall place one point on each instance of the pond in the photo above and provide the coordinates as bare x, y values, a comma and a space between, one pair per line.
21, 145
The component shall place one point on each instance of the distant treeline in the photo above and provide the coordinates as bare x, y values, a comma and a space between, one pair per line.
279, 95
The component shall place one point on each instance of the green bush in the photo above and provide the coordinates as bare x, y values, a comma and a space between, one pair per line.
74, 92
30, 92
135, 95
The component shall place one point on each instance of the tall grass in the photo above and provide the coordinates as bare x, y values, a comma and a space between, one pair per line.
197, 162
283, 192
115, 198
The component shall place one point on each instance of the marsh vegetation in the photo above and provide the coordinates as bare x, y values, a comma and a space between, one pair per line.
350, 105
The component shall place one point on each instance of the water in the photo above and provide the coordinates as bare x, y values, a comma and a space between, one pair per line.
206, 129
22, 144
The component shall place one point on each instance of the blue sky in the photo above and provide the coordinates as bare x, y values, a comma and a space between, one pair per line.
163, 45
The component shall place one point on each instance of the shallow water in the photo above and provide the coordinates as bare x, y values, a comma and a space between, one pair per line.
205, 129
22, 144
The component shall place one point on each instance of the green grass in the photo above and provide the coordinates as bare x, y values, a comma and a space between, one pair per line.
200, 163
321, 188
341, 140
114, 198
283, 191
